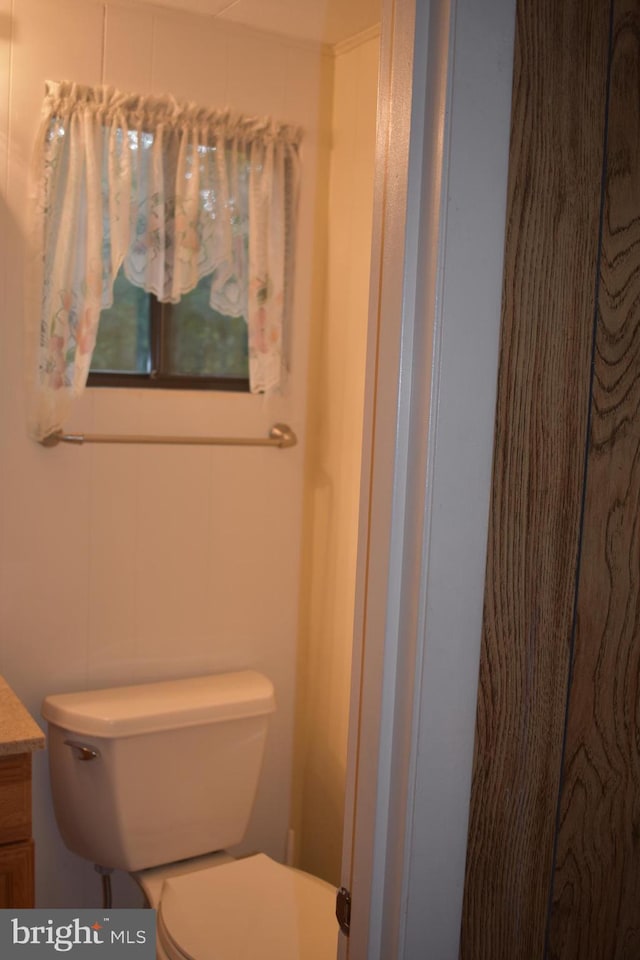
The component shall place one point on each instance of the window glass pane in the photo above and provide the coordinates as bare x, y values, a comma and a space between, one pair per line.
203, 343
123, 334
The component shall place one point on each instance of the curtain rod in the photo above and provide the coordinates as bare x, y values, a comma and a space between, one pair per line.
280, 435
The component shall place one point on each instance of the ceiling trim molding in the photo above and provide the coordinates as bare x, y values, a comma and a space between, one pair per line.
179, 8
344, 46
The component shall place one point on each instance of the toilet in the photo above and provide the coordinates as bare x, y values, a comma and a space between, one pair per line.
159, 780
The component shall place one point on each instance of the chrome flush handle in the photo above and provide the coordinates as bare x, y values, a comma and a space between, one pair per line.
83, 751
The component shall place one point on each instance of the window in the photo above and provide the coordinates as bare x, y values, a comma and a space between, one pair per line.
163, 238
188, 345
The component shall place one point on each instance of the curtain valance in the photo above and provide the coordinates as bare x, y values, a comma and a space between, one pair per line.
170, 192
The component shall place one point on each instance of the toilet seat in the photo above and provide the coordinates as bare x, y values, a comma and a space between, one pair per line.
249, 909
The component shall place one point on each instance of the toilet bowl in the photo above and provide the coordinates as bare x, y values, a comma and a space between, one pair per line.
159, 780
252, 907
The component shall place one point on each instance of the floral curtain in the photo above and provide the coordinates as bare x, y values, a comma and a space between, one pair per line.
171, 193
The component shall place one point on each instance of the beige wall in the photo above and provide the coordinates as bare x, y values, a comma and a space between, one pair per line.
129, 564
332, 478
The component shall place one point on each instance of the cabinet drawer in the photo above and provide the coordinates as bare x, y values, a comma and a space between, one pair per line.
15, 798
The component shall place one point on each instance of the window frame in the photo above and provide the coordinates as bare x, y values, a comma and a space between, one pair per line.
159, 377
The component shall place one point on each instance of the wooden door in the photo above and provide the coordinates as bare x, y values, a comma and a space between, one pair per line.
595, 898
553, 861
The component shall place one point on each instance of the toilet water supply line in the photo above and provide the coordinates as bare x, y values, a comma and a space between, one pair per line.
105, 874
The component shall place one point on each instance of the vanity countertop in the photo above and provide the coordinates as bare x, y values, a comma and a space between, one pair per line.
19, 733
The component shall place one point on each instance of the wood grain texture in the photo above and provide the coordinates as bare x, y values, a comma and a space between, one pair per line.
15, 798
17, 875
596, 892
548, 307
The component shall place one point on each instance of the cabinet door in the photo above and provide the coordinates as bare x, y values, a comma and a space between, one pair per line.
15, 798
16, 875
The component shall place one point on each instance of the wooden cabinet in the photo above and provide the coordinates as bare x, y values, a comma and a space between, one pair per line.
16, 845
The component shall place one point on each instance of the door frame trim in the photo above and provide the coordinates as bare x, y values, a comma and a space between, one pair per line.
432, 357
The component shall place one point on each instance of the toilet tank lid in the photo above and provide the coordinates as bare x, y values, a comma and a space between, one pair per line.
170, 704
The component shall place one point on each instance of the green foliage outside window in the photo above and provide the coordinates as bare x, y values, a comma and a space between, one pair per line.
196, 340
202, 342
123, 343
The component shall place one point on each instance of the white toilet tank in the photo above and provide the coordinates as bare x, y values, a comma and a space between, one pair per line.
149, 774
